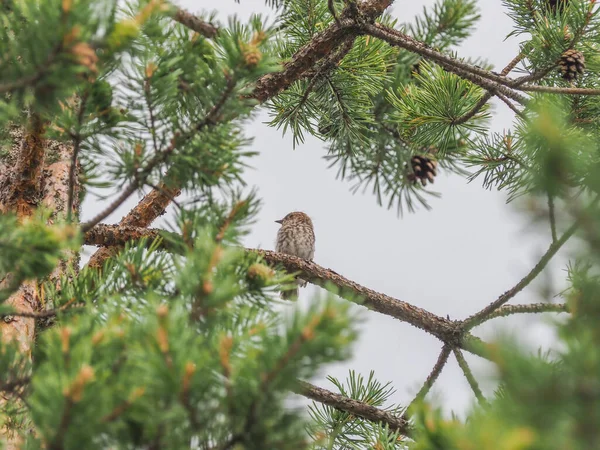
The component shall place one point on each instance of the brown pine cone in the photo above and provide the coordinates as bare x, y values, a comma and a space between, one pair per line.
571, 64
424, 169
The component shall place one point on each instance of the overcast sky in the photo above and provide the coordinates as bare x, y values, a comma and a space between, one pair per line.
454, 259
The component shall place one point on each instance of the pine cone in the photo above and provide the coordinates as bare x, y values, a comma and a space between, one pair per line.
424, 169
571, 64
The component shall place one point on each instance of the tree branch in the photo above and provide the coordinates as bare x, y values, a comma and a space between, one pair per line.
462, 362
512, 64
552, 217
559, 90
470, 114
489, 94
512, 107
194, 23
352, 406
134, 224
328, 279
158, 158
481, 77
321, 45
433, 375
41, 314
446, 330
508, 310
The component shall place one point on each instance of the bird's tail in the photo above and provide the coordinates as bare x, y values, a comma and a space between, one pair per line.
292, 293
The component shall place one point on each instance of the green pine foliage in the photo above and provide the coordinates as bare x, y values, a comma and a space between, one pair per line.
181, 341
544, 401
352, 111
158, 349
332, 428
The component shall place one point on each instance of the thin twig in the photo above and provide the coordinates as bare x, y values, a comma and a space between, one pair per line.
532, 308
537, 75
112, 207
42, 314
324, 68
229, 219
558, 90
58, 441
552, 216
476, 75
512, 64
512, 83
510, 105
482, 315
484, 99
331, 8
158, 158
462, 362
470, 114
433, 375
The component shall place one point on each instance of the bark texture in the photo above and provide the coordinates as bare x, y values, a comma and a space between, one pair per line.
34, 172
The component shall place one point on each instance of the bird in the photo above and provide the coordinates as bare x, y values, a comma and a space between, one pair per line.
296, 237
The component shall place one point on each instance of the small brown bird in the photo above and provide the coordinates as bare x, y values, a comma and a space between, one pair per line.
296, 237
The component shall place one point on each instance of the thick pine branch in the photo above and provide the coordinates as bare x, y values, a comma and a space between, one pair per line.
338, 35
446, 330
321, 46
352, 406
442, 328
149, 208
194, 23
494, 83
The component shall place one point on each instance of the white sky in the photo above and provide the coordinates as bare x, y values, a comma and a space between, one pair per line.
452, 260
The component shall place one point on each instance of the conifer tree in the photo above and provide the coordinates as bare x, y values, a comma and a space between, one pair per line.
175, 338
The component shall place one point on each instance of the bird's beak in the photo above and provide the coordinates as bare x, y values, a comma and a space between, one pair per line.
279, 221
